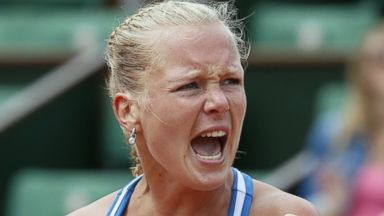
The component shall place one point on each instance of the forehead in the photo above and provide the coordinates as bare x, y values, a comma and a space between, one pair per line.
200, 45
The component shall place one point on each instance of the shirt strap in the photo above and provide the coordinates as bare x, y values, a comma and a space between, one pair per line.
242, 194
122, 199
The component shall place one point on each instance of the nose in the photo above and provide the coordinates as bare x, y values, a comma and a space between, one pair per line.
216, 102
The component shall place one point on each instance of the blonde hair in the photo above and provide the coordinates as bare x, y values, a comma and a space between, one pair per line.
130, 53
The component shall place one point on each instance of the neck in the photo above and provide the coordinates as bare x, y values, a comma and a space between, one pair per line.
374, 120
374, 114
376, 146
163, 195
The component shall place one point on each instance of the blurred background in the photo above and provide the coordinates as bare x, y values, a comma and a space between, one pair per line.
60, 145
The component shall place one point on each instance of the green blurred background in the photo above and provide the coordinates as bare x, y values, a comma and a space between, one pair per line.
297, 47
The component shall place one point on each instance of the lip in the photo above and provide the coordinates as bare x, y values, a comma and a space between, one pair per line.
224, 146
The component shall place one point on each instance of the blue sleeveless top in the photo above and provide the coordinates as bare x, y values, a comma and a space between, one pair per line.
240, 205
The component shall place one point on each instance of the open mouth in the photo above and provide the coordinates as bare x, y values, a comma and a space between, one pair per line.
209, 146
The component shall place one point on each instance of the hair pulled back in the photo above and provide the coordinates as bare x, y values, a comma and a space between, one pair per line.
130, 53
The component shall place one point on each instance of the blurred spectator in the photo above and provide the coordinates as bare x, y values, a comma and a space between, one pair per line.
348, 143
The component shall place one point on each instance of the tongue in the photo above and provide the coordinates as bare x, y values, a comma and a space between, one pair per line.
206, 146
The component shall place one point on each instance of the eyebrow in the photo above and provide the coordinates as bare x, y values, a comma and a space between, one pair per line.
191, 74
232, 69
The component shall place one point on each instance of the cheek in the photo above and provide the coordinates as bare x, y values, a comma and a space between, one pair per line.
238, 102
373, 80
167, 128
175, 112
168, 119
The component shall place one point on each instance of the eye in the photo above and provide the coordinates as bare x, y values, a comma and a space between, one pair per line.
231, 81
189, 86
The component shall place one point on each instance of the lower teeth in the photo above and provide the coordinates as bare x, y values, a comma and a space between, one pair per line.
209, 157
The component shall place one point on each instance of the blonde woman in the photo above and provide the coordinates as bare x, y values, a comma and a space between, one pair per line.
177, 85
350, 178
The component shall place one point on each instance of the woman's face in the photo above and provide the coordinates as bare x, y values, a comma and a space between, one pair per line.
195, 108
372, 71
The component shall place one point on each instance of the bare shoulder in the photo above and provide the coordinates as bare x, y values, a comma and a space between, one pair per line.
99, 207
269, 200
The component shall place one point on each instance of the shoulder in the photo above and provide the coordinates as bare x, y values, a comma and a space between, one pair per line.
99, 207
269, 200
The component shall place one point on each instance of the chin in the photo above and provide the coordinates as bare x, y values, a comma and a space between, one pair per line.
206, 180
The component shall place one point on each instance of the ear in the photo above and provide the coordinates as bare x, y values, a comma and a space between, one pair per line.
126, 112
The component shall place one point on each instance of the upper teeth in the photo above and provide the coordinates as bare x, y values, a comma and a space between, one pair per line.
214, 134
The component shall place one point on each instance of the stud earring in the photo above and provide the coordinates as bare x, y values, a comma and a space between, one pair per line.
132, 137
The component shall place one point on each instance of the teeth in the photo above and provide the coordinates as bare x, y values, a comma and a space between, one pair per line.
211, 157
214, 134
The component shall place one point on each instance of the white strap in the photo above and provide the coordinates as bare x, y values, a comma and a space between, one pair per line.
122, 195
240, 194
118, 202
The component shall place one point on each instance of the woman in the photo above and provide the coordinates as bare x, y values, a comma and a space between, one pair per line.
177, 85
350, 177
